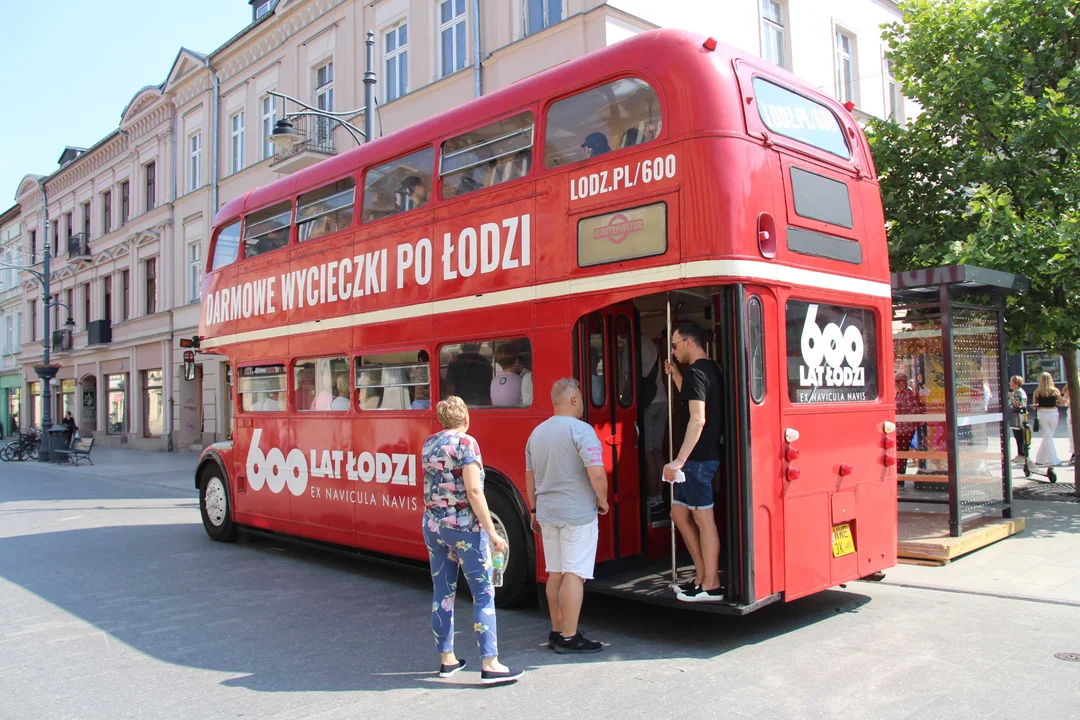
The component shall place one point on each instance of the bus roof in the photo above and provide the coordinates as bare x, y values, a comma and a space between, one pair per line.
677, 59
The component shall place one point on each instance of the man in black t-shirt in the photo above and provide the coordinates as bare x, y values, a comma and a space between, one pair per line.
697, 435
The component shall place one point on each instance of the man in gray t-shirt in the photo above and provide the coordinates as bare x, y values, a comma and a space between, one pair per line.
567, 486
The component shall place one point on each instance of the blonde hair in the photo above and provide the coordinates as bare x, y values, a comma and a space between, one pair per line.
1016, 379
452, 412
1046, 386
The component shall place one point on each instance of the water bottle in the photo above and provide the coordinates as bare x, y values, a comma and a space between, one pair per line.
498, 565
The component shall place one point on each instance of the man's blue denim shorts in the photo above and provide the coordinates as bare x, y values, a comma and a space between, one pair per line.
696, 492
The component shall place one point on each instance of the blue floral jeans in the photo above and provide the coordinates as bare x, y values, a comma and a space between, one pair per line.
447, 550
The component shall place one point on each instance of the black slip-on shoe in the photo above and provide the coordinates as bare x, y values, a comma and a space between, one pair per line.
577, 644
702, 595
690, 588
496, 677
446, 671
553, 637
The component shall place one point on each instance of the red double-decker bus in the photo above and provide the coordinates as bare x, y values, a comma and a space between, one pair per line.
552, 229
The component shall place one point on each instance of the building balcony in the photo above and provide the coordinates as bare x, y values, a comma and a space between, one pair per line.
79, 246
61, 340
99, 332
314, 143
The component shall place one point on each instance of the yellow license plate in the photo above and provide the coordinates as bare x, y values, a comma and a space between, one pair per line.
842, 542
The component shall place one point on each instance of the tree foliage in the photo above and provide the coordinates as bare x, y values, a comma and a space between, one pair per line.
988, 174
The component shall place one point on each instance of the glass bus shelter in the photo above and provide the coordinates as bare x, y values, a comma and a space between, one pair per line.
952, 413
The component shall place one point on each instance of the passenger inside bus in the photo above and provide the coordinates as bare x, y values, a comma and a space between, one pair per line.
506, 385
395, 394
341, 393
413, 193
304, 395
469, 375
596, 143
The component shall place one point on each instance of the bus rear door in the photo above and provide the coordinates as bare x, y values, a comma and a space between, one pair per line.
607, 360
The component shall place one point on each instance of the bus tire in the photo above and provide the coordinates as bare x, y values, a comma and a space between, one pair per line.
215, 505
519, 578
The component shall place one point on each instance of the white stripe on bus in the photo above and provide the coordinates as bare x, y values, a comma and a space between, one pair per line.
735, 269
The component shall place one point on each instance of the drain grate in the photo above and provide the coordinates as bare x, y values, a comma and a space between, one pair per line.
1061, 492
1071, 657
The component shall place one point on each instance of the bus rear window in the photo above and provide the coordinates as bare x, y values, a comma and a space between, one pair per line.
267, 230
227, 245
610, 117
792, 115
831, 353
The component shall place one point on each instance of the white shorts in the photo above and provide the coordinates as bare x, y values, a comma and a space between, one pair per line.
571, 548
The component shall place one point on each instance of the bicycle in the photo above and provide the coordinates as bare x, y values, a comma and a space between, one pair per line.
27, 446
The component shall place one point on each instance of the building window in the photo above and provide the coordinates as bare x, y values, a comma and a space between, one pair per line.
894, 100
540, 14
55, 237
67, 398
33, 321
151, 286
86, 306
236, 126
125, 295
321, 384
151, 190
106, 212
195, 165
452, 36
845, 67
195, 271
262, 388
153, 407
125, 202
86, 219
117, 404
488, 374
396, 55
773, 41
69, 301
395, 381
262, 8
35, 404
107, 281
269, 119
324, 100
69, 227
33, 246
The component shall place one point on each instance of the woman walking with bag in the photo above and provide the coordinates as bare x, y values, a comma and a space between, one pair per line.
458, 531
1047, 398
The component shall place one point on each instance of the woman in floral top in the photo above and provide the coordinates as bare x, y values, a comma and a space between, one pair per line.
458, 531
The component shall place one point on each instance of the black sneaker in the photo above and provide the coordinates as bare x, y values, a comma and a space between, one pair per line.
553, 638
702, 595
690, 588
577, 644
446, 671
497, 677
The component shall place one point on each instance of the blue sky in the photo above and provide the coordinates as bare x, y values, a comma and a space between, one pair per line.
69, 67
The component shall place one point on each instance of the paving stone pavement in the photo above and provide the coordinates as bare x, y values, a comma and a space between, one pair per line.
115, 604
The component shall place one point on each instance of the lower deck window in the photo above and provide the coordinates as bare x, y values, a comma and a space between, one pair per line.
321, 384
262, 388
494, 373
393, 381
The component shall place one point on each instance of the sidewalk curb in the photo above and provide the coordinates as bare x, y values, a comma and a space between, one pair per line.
982, 593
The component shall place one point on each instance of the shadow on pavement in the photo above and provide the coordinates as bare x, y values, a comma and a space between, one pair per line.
285, 618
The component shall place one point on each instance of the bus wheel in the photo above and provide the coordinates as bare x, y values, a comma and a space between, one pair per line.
519, 578
214, 504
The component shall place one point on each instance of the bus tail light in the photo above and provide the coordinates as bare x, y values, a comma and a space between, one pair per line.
791, 454
793, 473
709, 44
889, 442
845, 469
889, 460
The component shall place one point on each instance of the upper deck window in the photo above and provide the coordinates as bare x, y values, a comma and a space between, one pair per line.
326, 210
227, 245
792, 115
267, 229
610, 117
488, 156
399, 185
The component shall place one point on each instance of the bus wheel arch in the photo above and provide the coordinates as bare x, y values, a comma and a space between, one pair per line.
511, 515
215, 502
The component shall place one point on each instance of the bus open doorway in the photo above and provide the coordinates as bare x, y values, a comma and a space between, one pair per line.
638, 549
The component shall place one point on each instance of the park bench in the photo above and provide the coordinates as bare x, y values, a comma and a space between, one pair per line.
79, 451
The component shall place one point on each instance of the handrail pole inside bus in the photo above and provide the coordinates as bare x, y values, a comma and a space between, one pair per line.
671, 449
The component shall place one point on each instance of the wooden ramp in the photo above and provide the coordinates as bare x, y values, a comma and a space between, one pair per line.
924, 537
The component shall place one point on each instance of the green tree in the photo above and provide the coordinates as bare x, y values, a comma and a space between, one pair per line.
989, 173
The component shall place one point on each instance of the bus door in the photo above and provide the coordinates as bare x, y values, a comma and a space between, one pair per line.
606, 367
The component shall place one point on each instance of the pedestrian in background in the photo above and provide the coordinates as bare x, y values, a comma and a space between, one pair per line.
459, 532
567, 485
1017, 404
1047, 399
